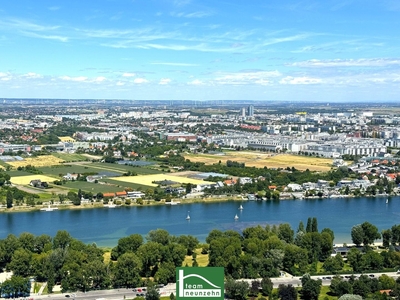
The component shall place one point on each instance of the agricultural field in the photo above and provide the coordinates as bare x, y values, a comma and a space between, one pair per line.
40, 161
25, 180
149, 179
92, 187
70, 157
269, 160
124, 168
103, 168
127, 185
16, 173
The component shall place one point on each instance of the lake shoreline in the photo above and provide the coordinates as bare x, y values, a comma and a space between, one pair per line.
107, 225
181, 201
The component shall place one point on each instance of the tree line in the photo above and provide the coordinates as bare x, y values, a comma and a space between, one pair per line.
256, 252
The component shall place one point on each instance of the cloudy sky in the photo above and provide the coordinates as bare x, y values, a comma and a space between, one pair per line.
322, 50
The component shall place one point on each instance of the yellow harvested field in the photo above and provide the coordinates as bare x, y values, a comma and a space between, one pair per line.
150, 179
23, 180
269, 160
40, 161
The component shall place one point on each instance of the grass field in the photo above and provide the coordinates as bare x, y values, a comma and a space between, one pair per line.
85, 167
70, 157
24, 180
92, 187
40, 161
64, 169
202, 259
149, 179
260, 160
132, 185
16, 173
125, 168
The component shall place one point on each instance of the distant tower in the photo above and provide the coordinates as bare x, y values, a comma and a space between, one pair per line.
243, 112
250, 111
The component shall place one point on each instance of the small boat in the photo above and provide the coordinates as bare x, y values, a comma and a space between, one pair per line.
241, 207
48, 208
236, 217
110, 205
188, 217
172, 203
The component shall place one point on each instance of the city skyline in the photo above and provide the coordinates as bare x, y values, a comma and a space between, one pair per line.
201, 50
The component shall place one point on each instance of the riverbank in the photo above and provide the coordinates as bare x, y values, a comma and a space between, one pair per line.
208, 199
25, 208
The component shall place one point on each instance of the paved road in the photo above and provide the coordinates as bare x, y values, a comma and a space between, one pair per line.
120, 294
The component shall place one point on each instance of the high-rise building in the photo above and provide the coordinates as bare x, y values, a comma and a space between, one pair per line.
250, 111
243, 112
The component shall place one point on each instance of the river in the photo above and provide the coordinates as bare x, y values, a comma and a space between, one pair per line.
105, 226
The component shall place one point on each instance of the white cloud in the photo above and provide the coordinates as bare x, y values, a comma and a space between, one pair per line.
196, 14
120, 83
100, 79
175, 64
196, 82
32, 75
128, 74
79, 78
362, 62
300, 80
164, 81
247, 77
140, 80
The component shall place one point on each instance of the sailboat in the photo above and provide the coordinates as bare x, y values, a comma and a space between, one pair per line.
241, 207
387, 200
188, 216
236, 217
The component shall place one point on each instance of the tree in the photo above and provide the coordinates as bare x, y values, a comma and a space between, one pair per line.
309, 225
387, 282
357, 235
152, 293
21, 262
9, 199
237, 290
333, 264
266, 286
310, 288
314, 225
354, 258
330, 232
62, 239
127, 270
190, 242
371, 233
285, 233
301, 227
159, 235
73, 197
287, 292
255, 288
127, 244
339, 287
386, 238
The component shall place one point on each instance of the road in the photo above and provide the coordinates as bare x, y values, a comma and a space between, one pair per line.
119, 294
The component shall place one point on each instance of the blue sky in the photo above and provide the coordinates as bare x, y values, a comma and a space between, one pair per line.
325, 50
